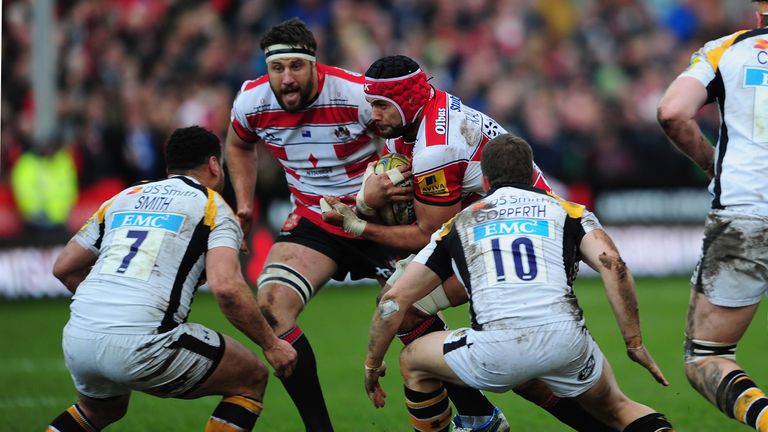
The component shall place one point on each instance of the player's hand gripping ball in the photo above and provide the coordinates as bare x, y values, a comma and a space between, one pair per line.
396, 212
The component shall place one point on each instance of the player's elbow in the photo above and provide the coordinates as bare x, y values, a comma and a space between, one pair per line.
62, 270
669, 113
226, 290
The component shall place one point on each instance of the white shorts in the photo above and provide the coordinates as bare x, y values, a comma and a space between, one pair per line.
562, 354
170, 364
733, 267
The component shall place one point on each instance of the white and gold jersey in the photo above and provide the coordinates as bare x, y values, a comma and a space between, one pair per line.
516, 252
151, 241
734, 69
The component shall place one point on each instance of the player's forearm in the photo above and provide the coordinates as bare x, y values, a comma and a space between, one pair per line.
242, 165
622, 296
73, 279
687, 137
381, 334
241, 309
410, 238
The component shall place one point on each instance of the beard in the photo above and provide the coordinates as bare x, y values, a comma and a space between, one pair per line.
303, 100
408, 132
391, 132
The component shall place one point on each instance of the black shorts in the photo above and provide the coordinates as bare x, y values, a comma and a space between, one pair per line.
356, 257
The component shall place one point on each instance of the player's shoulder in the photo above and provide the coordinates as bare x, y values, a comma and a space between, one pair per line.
256, 84
343, 75
574, 210
719, 45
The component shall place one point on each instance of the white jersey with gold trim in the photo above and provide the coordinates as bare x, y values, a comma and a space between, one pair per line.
734, 69
516, 252
151, 241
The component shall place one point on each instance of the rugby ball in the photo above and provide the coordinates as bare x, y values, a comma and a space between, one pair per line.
400, 212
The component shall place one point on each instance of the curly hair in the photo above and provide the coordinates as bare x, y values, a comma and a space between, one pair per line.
189, 148
290, 32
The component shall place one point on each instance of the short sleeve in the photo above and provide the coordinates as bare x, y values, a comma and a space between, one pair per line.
226, 231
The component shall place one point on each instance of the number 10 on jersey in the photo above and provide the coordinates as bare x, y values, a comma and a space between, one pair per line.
514, 259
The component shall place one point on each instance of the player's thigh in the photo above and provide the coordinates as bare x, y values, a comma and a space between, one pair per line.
423, 359
732, 271
713, 323
239, 372
307, 270
607, 402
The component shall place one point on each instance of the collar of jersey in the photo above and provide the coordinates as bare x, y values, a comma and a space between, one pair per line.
524, 186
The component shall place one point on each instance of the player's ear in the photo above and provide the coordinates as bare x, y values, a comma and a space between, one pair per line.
486, 184
214, 166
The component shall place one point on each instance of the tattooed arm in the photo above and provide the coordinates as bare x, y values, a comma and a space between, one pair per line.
600, 253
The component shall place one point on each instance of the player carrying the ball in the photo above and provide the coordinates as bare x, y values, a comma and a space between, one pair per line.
315, 120
444, 139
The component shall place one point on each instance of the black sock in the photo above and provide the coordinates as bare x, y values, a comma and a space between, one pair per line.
468, 401
304, 386
570, 412
654, 422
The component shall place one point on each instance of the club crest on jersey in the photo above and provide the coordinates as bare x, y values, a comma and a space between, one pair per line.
434, 184
341, 132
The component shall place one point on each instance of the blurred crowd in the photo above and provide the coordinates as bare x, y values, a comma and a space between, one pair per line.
579, 79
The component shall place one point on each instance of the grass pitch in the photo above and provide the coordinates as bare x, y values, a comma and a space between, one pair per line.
37, 386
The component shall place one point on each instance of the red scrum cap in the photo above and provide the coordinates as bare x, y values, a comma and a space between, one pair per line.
399, 80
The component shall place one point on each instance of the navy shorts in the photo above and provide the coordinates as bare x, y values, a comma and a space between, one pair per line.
357, 258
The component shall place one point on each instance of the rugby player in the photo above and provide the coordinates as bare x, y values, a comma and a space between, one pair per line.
444, 139
315, 120
732, 273
134, 268
526, 322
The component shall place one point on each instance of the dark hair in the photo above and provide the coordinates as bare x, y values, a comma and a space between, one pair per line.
507, 159
290, 32
392, 67
190, 147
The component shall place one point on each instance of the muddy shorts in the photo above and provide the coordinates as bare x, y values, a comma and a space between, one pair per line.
562, 354
169, 364
733, 267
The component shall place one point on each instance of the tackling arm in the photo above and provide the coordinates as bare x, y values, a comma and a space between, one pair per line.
241, 160
239, 306
600, 253
417, 281
73, 265
676, 115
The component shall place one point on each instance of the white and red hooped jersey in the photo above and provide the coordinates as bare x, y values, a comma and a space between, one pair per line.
324, 148
734, 69
446, 154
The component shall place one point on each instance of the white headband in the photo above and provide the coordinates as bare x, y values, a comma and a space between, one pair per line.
281, 51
